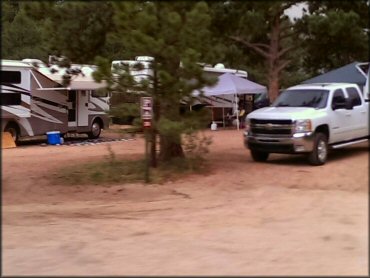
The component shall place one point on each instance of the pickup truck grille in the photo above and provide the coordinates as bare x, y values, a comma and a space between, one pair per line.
271, 127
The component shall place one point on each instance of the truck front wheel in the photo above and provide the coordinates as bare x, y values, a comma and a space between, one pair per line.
319, 154
259, 156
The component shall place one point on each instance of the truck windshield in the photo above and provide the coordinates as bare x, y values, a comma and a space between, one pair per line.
302, 98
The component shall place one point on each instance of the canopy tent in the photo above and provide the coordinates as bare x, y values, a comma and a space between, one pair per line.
351, 73
229, 86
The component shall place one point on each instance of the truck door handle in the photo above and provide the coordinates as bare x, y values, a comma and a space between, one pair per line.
348, 114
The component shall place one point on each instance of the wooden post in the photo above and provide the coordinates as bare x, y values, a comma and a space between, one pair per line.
147, 178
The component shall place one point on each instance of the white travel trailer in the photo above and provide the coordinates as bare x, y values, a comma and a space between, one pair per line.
140, 69
33, 101
144, 70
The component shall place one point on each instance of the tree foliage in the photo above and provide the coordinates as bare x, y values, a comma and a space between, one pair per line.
76, 30
21, 36
264, 32
176, 35
335, 33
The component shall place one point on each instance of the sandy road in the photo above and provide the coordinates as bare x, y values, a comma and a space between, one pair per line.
282, 217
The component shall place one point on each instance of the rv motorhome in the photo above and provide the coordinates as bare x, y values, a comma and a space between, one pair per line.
33, 101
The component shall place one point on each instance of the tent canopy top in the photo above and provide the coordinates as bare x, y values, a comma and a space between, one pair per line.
230, 84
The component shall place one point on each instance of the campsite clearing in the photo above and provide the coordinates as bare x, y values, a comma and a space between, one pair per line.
282, 217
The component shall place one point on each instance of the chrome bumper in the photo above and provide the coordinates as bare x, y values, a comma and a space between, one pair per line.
296, 143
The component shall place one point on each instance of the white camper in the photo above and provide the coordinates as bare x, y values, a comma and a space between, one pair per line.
140, 69
33, 101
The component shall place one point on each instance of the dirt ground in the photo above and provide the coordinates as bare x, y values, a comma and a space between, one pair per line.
282, 217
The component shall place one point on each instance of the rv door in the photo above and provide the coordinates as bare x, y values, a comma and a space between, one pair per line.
83, 108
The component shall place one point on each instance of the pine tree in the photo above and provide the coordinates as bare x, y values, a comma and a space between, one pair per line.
176, 36
262, 28
335, 33
74, 29
21, 35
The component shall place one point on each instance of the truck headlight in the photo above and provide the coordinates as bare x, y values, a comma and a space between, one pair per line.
302, 126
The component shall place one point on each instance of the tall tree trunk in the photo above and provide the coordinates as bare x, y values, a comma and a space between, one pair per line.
170, 144
273, 60
274, 86
273, 52
170, 147
153, 148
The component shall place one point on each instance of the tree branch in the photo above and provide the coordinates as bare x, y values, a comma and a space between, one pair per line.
262, 45
282, 65
285, 50
255, 47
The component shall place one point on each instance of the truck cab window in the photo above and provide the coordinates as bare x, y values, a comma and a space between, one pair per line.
354, 96
338, 97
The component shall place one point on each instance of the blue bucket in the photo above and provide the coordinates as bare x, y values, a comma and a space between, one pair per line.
53, 137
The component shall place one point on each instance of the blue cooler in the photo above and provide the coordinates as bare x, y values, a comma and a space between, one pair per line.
53, 137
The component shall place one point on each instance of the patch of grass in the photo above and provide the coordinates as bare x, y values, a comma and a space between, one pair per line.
114, 171
178, 168
105, 172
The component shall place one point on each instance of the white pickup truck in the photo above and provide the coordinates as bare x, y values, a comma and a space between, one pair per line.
310, 119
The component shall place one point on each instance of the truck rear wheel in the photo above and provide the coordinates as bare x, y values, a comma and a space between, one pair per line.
259, 156
319, 154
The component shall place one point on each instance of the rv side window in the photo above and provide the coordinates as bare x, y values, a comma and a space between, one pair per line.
99, 93
10, 77
10, 99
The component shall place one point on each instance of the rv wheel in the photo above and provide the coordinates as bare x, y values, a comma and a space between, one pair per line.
13, 129
95, 130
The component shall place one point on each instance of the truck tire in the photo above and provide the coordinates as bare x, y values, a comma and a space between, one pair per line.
96, 128
259, 156
13, 129
319, 154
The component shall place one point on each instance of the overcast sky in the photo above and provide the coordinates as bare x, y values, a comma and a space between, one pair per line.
296, 11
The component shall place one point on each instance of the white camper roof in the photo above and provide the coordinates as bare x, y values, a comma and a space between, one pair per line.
81, 81
14, 63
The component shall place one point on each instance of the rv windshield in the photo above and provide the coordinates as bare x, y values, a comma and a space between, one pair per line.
302, 98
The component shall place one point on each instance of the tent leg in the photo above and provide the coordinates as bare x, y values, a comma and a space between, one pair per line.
237, 113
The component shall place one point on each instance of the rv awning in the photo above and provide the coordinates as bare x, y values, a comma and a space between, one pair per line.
52, 89
81, 83
86, 85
